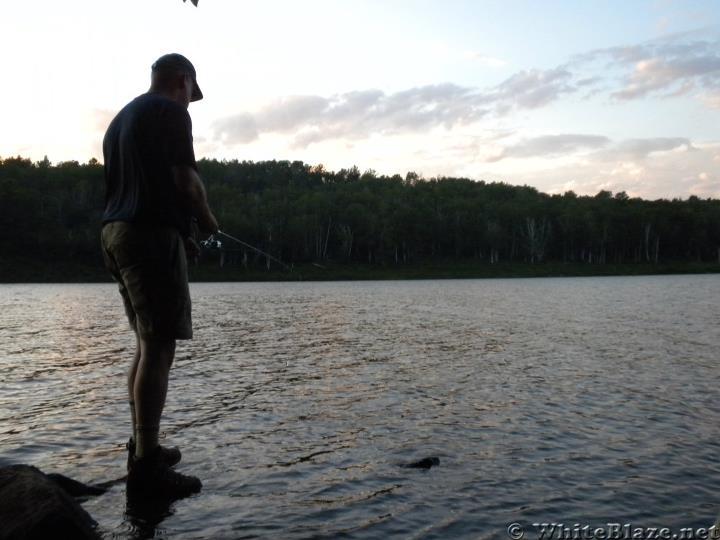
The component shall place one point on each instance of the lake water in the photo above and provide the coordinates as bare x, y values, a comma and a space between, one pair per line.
574, 400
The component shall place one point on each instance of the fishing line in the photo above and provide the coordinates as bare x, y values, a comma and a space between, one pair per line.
249, 246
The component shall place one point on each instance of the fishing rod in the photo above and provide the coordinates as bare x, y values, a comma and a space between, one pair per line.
211, 240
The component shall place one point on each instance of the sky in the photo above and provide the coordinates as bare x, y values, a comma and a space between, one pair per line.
617, 95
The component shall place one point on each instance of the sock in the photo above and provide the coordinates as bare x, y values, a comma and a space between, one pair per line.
146, 440
134, 420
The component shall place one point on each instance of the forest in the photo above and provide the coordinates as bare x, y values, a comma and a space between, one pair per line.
307, 215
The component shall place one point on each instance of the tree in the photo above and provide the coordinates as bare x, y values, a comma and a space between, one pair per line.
304, 214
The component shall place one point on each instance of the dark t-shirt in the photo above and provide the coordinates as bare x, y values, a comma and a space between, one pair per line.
149, 136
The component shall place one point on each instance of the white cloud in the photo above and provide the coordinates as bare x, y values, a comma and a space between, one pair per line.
675, 76
359, 114
449, 129
663, 176
533, 88
711, 99
577, 145
484, 60
551, 145
639, 149
671, 66
239, 128
705, 185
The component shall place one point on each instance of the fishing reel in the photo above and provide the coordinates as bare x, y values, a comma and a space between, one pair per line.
211, 243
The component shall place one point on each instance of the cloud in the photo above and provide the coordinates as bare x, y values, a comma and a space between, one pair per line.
712, 99
588, 81
662, 176
484, 60
675, 76
671, 66
603, 149
639, 149
356, 114
551, 145
239, 128
676, 65
359, 114
288, 112
534, 88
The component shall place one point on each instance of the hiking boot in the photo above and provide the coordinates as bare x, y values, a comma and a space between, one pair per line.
169, 455
151, 477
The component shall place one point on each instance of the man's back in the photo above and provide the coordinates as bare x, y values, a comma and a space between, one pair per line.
149, 136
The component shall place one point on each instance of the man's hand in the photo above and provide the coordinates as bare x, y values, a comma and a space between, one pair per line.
208, 223
192, 250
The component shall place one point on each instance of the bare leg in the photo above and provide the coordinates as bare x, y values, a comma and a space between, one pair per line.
133, 369
131, 383
150, 389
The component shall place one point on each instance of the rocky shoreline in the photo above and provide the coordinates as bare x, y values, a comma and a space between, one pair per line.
35, 505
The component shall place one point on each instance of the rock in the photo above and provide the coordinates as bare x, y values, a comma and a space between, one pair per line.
424, 463
33, 506
75, 488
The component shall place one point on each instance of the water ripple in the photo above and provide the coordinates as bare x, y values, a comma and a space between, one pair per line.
576, 400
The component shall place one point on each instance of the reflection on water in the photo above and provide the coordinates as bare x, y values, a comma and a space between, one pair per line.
144, 516
577, 400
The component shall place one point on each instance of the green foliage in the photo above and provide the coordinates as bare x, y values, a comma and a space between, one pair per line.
303, 215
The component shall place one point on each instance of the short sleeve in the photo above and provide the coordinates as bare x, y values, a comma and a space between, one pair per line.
179, 149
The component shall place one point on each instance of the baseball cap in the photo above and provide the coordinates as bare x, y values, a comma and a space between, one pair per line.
177, 62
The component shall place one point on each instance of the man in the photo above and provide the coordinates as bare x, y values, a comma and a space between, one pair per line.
153, 194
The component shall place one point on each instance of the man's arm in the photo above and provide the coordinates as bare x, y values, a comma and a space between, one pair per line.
192, 190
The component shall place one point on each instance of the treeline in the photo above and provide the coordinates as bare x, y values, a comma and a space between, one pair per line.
301, 214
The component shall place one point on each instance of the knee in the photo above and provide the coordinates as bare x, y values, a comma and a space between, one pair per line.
158, 353
166, 354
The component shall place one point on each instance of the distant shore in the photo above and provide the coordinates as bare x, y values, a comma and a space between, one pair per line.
30, 271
